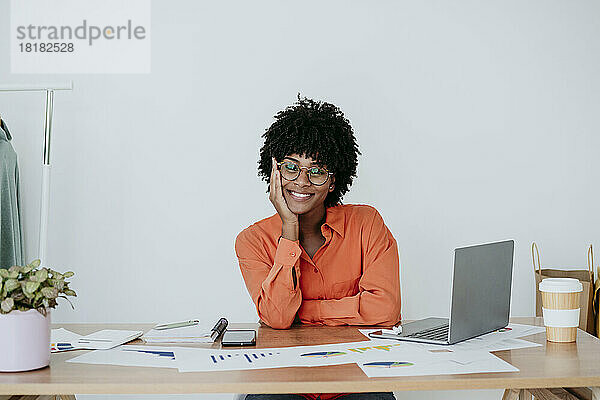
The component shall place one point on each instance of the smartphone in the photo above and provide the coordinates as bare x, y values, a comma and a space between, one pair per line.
239, 337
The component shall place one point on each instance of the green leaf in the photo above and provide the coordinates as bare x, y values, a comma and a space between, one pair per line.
37, 297
50, 292
14, 268
34, 264
40, 276
11, 285
7, 305
13, 274
3, 273
68, 274
29, 288
70, 292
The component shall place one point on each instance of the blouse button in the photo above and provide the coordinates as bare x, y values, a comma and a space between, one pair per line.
316, 270
293, 254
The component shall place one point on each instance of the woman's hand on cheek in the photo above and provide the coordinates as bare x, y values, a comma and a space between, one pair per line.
289, 220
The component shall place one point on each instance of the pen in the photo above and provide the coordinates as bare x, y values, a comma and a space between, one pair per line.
176, 325
219, 328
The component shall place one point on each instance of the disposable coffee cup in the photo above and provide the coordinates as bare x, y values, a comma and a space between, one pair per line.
560, 307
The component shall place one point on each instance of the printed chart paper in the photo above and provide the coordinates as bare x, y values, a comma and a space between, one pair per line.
192, 360
131, 356
63, 340
442, 363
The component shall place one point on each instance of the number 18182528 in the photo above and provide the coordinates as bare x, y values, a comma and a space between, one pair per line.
48, 47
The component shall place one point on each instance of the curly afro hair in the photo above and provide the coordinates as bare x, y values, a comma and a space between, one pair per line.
317, 130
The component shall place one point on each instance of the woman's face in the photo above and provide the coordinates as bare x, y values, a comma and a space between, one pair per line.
300, 194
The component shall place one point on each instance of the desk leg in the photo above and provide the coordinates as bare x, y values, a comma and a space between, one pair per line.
524, 394
511, 394
514, 394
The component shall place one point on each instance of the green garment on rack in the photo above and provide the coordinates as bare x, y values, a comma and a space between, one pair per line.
11, 241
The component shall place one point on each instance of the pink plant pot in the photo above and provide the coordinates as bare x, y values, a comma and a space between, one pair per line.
24, 341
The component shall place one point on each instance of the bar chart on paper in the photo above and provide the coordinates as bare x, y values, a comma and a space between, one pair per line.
196, 359
169, 355
131, 356
246, 357
349, 351
386, 347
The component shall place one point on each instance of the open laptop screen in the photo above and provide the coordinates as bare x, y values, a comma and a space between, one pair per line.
481, 289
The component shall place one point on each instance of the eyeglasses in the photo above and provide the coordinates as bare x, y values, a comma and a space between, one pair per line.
291, 171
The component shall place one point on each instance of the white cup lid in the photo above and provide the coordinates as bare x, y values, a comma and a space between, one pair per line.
561, 285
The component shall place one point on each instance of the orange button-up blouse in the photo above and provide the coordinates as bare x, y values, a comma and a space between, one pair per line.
353, 279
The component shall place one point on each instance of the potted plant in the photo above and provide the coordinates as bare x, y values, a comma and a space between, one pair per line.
27, 294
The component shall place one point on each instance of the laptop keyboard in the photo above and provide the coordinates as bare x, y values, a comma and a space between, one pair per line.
437, 333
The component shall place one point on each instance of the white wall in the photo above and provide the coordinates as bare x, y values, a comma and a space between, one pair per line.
477, 121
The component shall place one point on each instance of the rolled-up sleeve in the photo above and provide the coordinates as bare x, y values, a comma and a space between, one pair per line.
273, 283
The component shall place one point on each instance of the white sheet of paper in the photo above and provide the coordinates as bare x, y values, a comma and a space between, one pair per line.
61, 335
438, 364
514, 331
504, 344
193, 359
513, 344
131, 356
107, 339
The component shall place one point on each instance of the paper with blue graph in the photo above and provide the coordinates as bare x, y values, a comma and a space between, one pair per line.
194, 359
375, 357
437, 362
131, 356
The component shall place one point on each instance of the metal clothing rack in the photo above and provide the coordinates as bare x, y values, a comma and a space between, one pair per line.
44, 210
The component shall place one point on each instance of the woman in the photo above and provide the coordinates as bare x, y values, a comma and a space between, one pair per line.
317, 261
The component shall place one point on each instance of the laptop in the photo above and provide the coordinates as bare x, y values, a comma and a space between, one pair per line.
480, 300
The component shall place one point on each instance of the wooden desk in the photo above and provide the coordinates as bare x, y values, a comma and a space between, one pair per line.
549, 366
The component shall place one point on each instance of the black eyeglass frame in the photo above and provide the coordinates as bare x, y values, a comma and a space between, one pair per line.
279, 164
